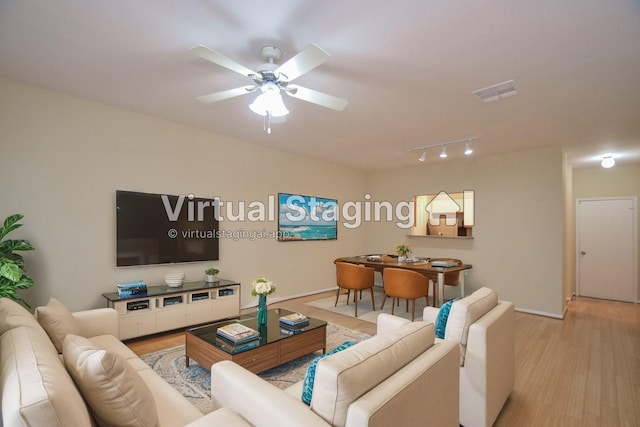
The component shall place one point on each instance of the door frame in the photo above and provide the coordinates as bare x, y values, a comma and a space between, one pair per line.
634, 201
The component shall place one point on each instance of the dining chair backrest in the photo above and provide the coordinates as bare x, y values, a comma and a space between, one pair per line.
353, 276
401, 283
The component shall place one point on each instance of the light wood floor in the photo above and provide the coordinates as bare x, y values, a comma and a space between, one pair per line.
580, 371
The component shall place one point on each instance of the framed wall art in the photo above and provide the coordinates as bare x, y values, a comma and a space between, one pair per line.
303, 217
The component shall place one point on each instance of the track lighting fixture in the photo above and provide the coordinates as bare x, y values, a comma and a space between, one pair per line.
467, 149
443, 150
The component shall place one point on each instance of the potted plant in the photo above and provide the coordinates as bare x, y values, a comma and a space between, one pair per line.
402, 251
211, 275
12, 275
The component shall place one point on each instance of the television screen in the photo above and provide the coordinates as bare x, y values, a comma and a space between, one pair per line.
162, 229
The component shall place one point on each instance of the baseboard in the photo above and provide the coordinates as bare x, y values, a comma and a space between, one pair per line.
540, 313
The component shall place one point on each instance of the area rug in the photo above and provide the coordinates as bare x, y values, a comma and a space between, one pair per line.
194, 382
364, 306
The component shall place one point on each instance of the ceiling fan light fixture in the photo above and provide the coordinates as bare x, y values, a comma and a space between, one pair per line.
269, 101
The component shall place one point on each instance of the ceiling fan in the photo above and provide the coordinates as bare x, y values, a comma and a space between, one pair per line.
271, 79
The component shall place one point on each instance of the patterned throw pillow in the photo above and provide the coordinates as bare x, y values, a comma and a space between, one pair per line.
309, 378
441, 320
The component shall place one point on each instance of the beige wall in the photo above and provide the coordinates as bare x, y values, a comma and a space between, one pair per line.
517, 247
621, 180
62, 158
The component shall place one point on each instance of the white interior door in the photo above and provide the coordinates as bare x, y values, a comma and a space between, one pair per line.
606, 244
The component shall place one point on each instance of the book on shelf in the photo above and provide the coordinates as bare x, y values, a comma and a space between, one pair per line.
294, 319
132, 285
237, 333
132, 292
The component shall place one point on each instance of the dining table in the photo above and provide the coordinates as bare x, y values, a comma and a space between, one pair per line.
438, 270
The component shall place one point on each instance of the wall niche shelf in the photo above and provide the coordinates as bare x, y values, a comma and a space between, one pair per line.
433, 236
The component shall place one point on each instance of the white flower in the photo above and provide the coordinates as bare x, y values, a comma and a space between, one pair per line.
262, 286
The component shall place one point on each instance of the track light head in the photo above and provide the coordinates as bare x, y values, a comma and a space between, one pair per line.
443, 153
467, 149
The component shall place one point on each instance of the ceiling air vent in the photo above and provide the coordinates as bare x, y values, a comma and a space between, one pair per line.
496, 92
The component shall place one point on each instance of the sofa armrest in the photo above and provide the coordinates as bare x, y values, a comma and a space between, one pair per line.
387, 322
430, 314
488, 375
257, 401
99, 321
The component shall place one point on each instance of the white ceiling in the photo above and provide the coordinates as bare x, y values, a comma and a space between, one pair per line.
407, 67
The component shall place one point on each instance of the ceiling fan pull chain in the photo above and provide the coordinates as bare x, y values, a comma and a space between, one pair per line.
268, 117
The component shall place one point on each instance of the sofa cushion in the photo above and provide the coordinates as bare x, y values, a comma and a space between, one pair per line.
112, 388
36, 388
57, 321
465, 312
307, 384
345, 376
13, 315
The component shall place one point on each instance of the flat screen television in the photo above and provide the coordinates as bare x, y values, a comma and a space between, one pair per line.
164, 229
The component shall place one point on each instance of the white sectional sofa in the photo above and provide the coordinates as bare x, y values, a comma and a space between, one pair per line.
483, 327
37, 382
398, 377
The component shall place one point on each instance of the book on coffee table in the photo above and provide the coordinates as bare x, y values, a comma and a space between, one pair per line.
232, 347
294, 321
237, 333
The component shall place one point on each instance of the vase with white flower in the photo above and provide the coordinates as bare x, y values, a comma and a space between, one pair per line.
261, 288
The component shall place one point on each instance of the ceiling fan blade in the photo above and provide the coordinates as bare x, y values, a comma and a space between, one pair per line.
225, 94
304, 61
316, 97
217, 58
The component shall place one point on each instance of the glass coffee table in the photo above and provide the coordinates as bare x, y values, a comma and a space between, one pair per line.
275, 346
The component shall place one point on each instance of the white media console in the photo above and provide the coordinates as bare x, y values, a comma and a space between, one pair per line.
165, 308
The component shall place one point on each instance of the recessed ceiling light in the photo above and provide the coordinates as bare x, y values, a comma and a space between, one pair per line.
608, 162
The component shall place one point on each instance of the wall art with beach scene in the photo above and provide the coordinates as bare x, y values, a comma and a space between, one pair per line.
306, 217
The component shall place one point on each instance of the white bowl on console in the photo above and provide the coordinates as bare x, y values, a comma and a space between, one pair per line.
174, 280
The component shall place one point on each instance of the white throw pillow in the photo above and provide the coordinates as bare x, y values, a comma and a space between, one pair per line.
56, 319
113, 389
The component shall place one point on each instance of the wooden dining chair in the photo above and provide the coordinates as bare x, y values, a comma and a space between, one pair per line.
406, 284
353, 277
450, 279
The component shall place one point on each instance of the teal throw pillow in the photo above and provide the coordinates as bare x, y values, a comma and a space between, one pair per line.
441, 320
309, 378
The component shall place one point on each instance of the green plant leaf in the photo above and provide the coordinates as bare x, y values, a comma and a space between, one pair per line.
10, 224
15, 245
12, 258
10, 271
24, 282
